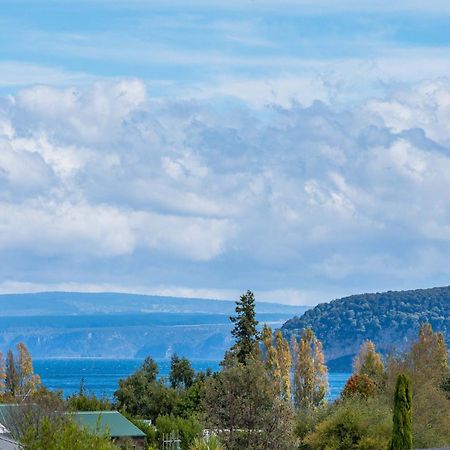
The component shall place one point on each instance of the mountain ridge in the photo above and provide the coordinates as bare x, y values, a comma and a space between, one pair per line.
391, 319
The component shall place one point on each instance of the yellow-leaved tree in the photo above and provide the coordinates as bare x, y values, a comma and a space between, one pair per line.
368, 362
277, 360
17, 377
310, 373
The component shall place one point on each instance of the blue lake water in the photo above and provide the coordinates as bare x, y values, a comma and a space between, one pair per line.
101, 376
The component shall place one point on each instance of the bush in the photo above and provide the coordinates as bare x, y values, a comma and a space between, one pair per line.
212, 443
359, 386
64, 433
188, 429
354, 424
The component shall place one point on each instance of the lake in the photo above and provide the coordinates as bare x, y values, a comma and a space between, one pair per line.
101, 376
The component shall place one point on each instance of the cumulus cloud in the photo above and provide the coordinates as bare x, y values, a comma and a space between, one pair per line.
288, 198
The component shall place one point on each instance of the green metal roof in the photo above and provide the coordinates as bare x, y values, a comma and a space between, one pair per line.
111, 421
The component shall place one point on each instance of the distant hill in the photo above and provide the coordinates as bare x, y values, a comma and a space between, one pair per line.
69, 303
115, 325
391, 319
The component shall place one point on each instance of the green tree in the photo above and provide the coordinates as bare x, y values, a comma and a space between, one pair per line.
181, 372
401, 431
310, 373
245, 328
244, 401
84, 401
188, 429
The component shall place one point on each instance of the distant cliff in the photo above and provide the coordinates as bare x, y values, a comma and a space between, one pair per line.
391, 319
115, 325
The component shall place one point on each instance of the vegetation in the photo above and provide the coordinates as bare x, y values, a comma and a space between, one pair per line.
245, 331
277, 360
390, 319
250, 403
402, 433
310, 372
242, 403
61, 433
17, 377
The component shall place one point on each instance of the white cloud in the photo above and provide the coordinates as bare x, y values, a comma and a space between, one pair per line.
295, 202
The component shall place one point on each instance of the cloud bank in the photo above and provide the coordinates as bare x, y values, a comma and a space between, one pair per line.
106, 184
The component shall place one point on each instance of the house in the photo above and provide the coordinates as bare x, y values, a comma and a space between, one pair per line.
115, 424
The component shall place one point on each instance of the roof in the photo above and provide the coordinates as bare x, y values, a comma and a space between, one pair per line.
9, 444
111, 421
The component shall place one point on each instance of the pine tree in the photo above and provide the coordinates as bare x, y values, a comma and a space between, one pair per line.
401, 431
369, 363
310, 374
245, 331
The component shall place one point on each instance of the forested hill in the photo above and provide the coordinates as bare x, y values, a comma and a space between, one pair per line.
391, 319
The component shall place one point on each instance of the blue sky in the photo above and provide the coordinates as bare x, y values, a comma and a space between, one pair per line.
296, 148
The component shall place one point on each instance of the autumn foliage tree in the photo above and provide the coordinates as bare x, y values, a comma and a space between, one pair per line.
369, 363
277, 360
17, 377
310, 372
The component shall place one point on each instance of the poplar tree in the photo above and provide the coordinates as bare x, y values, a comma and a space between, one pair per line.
285, 364
369, 363
19, 377
244, 330
429, 355
401, 431
310, 374
277, 360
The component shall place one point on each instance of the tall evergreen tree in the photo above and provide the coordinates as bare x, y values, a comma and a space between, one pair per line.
245, 331
401, 431
310, 374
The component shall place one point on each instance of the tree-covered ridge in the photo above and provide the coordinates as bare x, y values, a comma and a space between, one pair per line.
390, 319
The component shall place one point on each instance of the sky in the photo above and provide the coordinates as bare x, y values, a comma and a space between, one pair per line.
300, 149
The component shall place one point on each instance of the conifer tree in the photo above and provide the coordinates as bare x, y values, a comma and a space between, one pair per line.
401, 431
369, 363
245, 331
310, 374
